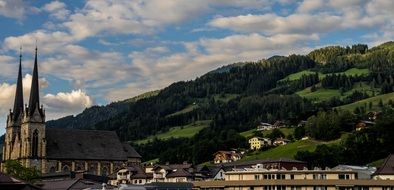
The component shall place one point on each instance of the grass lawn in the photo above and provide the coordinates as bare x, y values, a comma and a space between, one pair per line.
188, 108
375, 101
186, 131
349, 72
250, 133
289, 150
355, 71
322, 94
144, 95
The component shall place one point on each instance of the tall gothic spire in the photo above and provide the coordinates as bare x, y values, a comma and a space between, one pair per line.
34, 101
18, 103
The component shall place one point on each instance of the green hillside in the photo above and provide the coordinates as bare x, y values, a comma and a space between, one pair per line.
349, 72
322, 94
186, 131
385, 98
250, 133
224, 106
289, 150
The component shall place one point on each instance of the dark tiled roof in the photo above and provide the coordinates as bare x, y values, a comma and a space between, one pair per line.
138, 172
179, 173
264, 161
72, 184
8, 182
130, 151
387, 167
84, 145
173, 166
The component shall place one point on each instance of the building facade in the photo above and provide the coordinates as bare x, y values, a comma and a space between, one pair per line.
51, 150
257, 143
258, 178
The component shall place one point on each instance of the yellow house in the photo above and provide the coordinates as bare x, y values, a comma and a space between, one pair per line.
258, 142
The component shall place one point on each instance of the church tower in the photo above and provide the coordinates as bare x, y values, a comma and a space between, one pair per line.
11, 149
33, 151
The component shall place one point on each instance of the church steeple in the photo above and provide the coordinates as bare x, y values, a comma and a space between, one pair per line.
34, 101
18, 103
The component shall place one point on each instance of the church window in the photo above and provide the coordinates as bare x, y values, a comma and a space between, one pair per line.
66, 169
52, 170
35, 144
104, 171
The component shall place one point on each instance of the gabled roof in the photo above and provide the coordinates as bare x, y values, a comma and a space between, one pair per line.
137, 172
130, 151
8, 182
387, 167
179, 173
84, 145
173, 166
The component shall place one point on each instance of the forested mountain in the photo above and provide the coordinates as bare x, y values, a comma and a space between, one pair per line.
237, 97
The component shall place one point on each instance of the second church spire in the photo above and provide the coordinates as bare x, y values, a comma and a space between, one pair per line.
34, 101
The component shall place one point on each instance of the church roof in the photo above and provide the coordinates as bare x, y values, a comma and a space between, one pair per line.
34, 100
130, 151
18, 103
84, 145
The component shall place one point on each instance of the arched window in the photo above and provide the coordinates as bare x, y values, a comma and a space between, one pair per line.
66, 168
52, 170
104, 171
35, 144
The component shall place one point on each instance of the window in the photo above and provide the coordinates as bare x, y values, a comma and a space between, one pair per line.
104, 171
35, 144
256, 177
319, 188
52, 170
66, 168
140, 181
344, 176
292, 176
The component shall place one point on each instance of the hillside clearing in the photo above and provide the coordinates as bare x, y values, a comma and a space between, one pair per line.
186, 131
289, 150
365, 102
349, 72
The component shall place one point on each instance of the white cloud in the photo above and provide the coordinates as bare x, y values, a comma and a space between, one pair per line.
273, 24
54, 41
7, 94
310, 5
66, 103
8, 66
57, 10
59, 105
162, 68
13, 8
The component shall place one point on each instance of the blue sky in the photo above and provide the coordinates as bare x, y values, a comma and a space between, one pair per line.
96, 52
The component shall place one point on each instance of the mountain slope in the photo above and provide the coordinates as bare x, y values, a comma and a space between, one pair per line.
237, 97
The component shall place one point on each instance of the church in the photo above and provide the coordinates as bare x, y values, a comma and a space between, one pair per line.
54, 150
